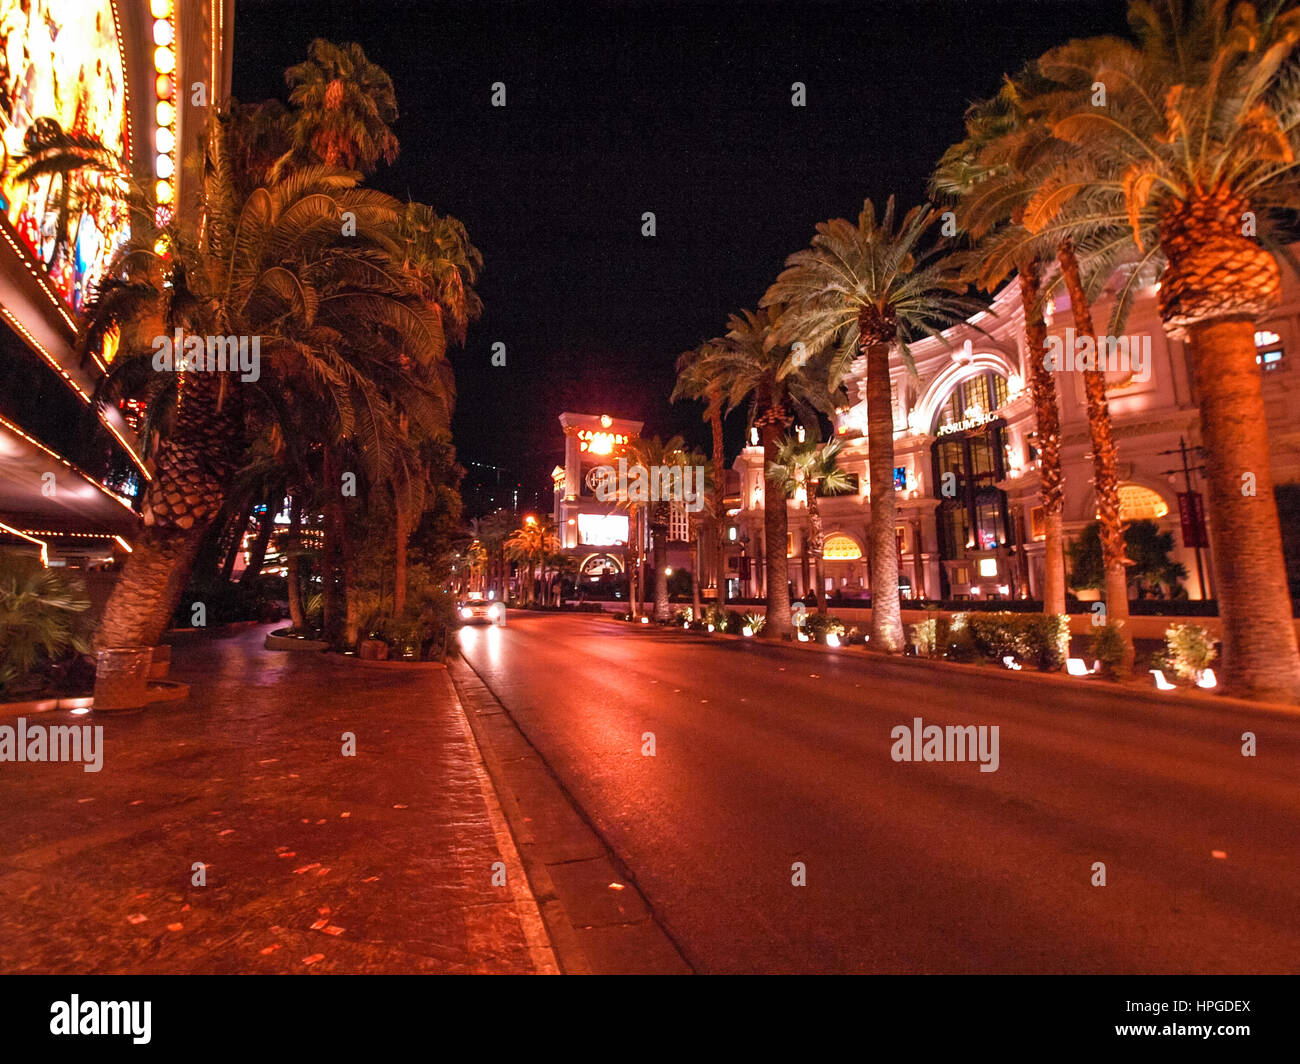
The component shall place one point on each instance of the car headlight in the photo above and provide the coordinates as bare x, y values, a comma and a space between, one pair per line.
466, 613
495, 610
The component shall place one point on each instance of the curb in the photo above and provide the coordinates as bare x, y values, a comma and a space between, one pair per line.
1185, 698
564, 940
643, 936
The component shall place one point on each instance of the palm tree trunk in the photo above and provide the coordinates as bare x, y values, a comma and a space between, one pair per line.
293, 563
632, 597
335, 533
399, 563
817, 545
719, 494
660, 532
1104, 464
776, 532
150, 587
1042, 389
886, 609
194, 465
697, 535
1260, 657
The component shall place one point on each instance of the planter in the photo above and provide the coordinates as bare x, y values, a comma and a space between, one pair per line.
278, 641
122, 678
373, 650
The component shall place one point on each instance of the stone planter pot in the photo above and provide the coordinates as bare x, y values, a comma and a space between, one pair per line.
373, 650
122, 677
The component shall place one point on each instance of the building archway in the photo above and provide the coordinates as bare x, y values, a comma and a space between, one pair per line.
975, 533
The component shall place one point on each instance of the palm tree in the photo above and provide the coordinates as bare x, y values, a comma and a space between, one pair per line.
751, 365
492, 531
475, 565
693, 381
657, 457
1201, 129
344, 108
1002, 174
530, 545
868, 288
989, 195
813, 468
337, 324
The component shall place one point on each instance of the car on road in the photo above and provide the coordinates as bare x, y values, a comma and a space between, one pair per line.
475, 609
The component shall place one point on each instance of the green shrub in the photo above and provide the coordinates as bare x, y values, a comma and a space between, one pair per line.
1033, 638
685, 615
42, 619
959, 643
1189, 650
999, 635
1049, 641
819, 626
715, 616
924, 636
735, 621
753, 621
1106, 645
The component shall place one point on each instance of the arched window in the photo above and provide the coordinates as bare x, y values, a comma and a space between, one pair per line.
971, 402
1137, 503
841, 549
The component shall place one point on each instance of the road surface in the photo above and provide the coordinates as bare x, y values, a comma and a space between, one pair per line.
766, 757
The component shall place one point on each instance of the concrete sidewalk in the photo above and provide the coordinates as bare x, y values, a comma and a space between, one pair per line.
382, 862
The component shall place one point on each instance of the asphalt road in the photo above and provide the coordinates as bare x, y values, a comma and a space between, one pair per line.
767, 756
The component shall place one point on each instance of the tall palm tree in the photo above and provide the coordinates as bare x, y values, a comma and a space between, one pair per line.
693, 381
989, 194
492, 531
813, 468
344, 109
530, 545
869, 288
335, 318
1201, 129
751, 365
1008, 166
657, 456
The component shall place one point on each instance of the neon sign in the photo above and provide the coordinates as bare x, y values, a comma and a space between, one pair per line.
61, 66
599, 442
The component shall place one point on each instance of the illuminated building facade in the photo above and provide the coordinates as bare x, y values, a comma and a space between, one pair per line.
965, 420
136, 77
595, 532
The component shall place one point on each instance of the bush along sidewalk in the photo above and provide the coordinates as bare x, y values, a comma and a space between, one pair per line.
1008, 639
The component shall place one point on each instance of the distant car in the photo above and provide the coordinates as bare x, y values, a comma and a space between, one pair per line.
478, 610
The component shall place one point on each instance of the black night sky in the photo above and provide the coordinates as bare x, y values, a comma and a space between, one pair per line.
618, 108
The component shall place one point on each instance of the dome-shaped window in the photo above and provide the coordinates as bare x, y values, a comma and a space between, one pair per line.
841, 549
1137, 503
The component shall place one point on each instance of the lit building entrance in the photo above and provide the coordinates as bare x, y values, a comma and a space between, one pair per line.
969, 461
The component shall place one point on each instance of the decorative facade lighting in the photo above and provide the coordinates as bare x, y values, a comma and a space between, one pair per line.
164, 64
